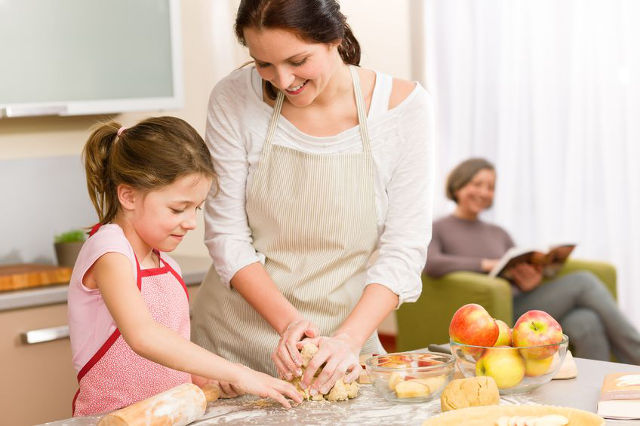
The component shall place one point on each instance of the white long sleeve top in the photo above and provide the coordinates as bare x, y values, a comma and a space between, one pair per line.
402, 144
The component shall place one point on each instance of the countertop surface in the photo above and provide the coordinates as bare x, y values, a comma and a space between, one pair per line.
193, 268
371, 409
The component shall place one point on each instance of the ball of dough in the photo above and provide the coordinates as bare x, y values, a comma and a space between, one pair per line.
469, 392
341, 391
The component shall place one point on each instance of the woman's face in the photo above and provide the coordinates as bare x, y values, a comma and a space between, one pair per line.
299, 68
477, 195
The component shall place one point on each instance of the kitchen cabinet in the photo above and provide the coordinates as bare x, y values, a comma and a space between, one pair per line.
37, 380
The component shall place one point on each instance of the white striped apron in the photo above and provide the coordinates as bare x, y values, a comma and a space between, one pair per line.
313, 216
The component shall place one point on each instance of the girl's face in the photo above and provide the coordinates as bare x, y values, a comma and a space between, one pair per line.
300, 69
161, 218
477, 195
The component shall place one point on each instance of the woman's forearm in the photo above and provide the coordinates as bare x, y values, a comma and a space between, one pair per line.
376, 303
256, 286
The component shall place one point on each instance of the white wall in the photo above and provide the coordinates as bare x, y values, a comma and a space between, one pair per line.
209, 53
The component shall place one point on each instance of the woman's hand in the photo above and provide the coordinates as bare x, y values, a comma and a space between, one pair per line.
265, 386
526, 276
488, 264
286, 356
340, 356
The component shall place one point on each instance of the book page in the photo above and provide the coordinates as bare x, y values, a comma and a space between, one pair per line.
550, 259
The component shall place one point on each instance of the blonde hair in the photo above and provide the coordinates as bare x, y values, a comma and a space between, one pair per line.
148, 156
463, 173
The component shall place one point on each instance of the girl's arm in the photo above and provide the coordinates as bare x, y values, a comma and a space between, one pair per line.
113, 276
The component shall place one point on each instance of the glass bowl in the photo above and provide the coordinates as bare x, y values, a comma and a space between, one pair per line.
410, 376
515, 370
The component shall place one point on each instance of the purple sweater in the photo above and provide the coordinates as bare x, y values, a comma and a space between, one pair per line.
460, 245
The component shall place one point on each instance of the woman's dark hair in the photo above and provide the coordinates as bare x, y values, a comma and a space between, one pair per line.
148, 156
318, 21
463, 173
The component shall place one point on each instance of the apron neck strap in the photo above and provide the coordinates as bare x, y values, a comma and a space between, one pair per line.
360, 105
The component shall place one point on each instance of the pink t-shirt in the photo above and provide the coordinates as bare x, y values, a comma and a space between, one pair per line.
90, 323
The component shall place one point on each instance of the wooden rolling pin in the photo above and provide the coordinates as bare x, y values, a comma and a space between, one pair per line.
176, 407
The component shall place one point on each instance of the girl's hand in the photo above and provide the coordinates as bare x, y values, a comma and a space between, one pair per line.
286, 356
526, 276
265, 386
223, 389
340, 356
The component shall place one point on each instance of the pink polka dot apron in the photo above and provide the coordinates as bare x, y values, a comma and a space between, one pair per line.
116, 376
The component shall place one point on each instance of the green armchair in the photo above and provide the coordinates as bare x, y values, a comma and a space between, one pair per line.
427, 320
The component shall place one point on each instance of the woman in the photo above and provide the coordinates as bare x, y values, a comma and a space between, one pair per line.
585, 309
322, 222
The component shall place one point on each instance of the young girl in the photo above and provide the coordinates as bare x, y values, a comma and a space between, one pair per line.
128, 305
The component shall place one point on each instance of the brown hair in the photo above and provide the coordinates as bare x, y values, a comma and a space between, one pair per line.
318, 21
150, 155
463, 173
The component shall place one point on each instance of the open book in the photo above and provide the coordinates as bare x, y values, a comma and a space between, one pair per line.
551, 259
620, 396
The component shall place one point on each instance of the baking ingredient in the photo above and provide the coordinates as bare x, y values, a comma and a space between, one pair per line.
469, 392
471, 324
504, 334
503, 364
340, 391
538, 367
411, 389
550, 420
535, 328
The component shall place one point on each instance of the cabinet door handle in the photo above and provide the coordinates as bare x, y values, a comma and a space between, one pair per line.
45, 335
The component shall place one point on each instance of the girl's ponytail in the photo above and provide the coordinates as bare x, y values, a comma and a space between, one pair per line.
96, 155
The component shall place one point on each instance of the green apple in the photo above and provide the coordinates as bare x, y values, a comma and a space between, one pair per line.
505, 365
537, 367
504, 335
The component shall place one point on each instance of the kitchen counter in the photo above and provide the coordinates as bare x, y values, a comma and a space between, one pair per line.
193, 268
371, 409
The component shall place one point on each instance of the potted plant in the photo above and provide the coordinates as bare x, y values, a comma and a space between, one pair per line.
67, 246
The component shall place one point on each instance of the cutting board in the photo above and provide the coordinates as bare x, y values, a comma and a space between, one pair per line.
27, 275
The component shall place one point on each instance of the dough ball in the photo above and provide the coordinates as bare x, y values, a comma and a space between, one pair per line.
307, 352
339, 392
469, 392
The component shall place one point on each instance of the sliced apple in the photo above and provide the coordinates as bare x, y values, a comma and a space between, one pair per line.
433, 383
411, 389
394, 364
394, 379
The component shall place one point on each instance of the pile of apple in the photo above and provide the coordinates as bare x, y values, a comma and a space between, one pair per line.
507, 355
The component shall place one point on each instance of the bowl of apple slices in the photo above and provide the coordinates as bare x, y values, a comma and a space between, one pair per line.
410, 376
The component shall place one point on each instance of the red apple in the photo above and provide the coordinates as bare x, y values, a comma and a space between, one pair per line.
505, 365
472, 325
504, 335
535, 328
